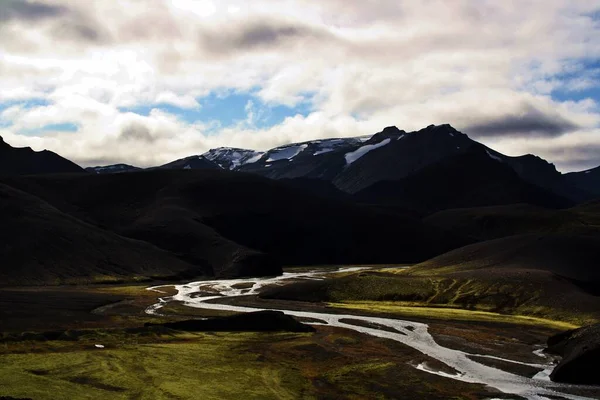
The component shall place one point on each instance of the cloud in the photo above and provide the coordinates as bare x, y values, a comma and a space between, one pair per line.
575, 152
136, 132
29, 10
487, 68
259, 34
529, 121
79, 31
182, 101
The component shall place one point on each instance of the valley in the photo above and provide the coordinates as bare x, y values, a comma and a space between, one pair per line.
402, 264
355, 351
299, 200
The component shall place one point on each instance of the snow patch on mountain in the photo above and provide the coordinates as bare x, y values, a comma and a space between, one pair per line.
323, 151
328, 145
493, 157
111, 168
254, 159
287, 153
232, 158
355, 155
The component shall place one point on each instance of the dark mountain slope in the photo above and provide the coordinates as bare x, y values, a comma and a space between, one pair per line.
469, 179
41, 245
540, 172
574, 257
392, 154
112, 169
195, 212
402, 156
193, 162
590, 207
484, 223
554, 276
588, 181
146, 206
319, 187
25, 161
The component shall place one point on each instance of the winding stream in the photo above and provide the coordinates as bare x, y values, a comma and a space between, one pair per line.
413, 334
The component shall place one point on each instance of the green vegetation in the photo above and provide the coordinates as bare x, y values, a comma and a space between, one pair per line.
445, 313
331, 363
527, 295
190, 366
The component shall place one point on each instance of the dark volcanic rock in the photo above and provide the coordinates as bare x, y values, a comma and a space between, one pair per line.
260, 321
580, 352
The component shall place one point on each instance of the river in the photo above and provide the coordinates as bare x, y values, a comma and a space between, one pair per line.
410, 333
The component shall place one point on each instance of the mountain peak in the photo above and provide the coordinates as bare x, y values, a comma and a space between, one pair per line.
391, 130
441, 128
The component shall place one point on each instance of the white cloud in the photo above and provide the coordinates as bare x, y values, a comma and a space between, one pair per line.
365, 65
182, 101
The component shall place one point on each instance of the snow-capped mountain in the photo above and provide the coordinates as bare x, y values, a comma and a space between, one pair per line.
316, 159
192, 162
232, 158
112, 169
354, 164
387, 159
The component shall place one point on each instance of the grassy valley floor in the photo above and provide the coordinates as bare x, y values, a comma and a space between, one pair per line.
332, 363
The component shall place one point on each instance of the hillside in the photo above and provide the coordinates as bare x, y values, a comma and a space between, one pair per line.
238, 224
588, 181
570, 256
193, 162
469, 179
25, 161
112, 169
484, 223
41, 245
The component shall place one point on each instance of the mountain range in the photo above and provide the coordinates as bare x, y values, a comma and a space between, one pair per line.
394, 161
393, 197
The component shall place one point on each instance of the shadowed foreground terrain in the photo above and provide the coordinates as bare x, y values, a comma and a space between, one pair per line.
330, 364
196, 222
42, 245
154, 362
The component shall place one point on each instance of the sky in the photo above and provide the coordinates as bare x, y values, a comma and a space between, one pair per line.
149, 81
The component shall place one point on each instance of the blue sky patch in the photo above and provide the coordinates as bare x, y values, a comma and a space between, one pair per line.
589, 70
31, 103
64, 127
229, 108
